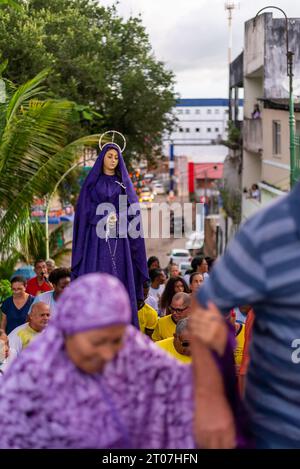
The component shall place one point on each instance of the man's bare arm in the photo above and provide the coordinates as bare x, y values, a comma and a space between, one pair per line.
214, 423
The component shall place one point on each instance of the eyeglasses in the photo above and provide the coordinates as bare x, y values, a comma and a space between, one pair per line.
177, 310
185, 344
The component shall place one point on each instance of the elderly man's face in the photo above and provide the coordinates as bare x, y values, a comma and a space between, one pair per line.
91, 350
39, 316
182, 343
179, 310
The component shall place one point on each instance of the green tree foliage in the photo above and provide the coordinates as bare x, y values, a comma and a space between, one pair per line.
99, 60
5, 290
35, 151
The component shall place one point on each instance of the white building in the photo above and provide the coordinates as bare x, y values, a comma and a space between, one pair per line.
202, 123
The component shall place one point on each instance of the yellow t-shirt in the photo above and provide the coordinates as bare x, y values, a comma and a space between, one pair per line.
165, 328
240, 340
168, 346
148, 317
26, 335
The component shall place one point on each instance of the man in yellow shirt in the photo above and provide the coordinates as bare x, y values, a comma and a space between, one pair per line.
180, 308
22, 335
179, 345
239, 347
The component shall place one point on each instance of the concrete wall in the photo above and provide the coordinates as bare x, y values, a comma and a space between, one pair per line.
252, 135
237, 71
253, 89
276, 168
251, 169
254, 45
276, 83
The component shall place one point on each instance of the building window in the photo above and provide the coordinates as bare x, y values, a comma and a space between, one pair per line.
208, 129
187, 111
179, 111
208, 111
180, 129
216, 129
187, 129
198, 111
197, 129
276, 138
217, 111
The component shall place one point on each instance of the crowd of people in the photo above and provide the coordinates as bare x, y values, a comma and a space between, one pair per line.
87, 361
173, 383
163, 314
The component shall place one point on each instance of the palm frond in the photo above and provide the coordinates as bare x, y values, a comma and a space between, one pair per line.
34, 155
30, 89
16, 221
12, 4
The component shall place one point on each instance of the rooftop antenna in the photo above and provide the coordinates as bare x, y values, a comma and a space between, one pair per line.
230, 6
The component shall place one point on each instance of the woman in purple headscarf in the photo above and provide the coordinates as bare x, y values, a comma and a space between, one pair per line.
101, 239
94, 381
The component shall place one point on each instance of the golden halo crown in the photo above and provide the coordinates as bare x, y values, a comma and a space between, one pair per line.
113, 132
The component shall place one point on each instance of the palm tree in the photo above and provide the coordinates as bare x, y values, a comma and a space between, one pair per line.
35, 246
34, 154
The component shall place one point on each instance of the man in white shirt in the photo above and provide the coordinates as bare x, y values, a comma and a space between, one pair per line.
158, 278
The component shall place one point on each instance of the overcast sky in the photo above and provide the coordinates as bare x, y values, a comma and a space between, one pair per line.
191, 37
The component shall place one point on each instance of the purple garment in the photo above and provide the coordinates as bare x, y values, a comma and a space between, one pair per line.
142, 399
90, 253
227, 369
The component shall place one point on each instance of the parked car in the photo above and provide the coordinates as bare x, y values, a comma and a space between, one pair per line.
148, 177
179, 256
146, 195
158, 188
184, 267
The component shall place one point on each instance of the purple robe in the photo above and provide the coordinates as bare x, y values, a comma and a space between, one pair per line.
91, 253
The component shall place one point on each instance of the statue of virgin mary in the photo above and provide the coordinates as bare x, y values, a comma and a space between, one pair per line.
121, 256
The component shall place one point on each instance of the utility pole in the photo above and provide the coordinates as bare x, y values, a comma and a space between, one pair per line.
171, 170
230, 6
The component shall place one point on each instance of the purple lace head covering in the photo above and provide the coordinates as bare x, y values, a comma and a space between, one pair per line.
92, 301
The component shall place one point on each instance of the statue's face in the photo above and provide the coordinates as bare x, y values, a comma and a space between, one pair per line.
110, 162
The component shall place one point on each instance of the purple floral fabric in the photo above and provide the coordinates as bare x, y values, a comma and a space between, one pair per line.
143, 398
